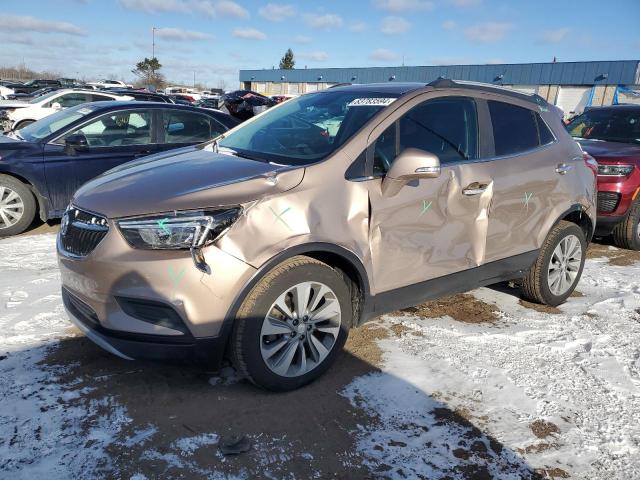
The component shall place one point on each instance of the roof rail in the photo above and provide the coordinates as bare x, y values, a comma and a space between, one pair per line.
486, 87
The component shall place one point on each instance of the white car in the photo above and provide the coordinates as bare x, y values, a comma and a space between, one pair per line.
109, 84
15, 115
4, 91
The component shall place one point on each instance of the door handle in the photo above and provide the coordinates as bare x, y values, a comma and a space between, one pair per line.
563, 168
142, 153
474, 189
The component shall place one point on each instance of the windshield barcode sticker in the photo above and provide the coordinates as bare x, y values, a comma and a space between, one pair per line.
371, 102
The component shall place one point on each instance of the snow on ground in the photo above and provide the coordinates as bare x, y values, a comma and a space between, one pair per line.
452, 398
577, 369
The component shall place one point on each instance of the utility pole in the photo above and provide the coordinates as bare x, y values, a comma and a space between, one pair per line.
194, 79
153, 42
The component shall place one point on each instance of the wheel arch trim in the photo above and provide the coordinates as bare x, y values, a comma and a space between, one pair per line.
303, 249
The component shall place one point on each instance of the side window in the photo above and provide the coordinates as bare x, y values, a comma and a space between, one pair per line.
187, 127
544, 133
515, 129
69, 100
117, 129
447, 127
99, 98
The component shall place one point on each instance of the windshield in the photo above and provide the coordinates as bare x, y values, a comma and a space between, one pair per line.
308, 128
53, 123
40, 98
612, 125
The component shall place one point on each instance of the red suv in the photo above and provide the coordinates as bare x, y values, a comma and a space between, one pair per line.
612, 136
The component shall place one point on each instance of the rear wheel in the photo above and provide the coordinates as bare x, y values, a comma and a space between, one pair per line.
292, 325
17, 206
556, 272
627, 233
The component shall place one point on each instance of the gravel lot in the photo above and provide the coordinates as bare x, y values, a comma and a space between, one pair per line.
480, 385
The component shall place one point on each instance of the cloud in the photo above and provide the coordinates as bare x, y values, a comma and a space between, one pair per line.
315, 56
302, 39
31, 24
489, 32
221, 8
465, 3
554, 36
383, 55
328, 21
449, 25
249, 34
181, 35
277, 12
394, 25
403, 5
230, 9
358, 27
153, 6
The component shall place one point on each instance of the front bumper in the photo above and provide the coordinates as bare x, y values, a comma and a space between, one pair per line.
151, 304
207, 351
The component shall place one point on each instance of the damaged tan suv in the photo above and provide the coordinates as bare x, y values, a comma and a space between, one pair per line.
269, 243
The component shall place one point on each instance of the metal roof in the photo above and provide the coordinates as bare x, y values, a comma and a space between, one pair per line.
611, 72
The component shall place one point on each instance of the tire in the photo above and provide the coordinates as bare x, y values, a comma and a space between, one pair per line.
252, 344
23, 124
627, 233
541, 287
12, 193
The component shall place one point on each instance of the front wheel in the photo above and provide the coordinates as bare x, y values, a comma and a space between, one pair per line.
17, 206
292, 324
556, 272
627, 233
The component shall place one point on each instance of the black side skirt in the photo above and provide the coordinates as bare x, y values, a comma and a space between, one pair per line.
499, 271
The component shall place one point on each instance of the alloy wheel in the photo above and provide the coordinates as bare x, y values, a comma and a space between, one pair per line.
564, 265
11, 207
300, 329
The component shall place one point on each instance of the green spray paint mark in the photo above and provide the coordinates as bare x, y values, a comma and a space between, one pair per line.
279, 217
175, 277
425, 207
526, 198
163, 227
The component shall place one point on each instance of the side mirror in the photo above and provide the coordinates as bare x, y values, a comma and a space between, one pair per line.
411, 164
56, 106
76, 142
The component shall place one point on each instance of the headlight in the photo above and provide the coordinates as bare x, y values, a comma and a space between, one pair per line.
615, 170
178, 230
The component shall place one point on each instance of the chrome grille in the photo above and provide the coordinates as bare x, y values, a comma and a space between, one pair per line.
81, 231
608, 201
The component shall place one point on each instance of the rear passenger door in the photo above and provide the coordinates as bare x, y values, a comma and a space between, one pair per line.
181, 128
526, 189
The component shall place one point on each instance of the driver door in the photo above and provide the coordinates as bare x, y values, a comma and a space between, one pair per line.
431, 228
112, 139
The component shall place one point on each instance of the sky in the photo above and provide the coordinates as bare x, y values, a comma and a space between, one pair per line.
213, 39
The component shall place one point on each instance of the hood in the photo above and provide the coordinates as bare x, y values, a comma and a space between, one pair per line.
13, 104
8, 142
191, 179
613, 152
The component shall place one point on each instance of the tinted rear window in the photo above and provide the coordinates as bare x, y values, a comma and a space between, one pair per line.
517, 129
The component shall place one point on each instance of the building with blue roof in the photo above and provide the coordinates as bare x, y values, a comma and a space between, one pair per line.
570, 85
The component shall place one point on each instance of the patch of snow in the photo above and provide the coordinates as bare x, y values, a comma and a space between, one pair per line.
578, 370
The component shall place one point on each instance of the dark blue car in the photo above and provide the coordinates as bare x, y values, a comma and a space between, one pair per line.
43, 164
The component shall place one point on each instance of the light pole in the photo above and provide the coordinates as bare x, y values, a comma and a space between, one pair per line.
153, 42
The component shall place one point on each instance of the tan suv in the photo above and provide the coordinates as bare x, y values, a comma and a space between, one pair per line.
271, 242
